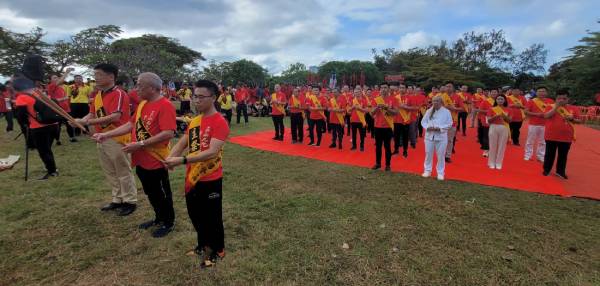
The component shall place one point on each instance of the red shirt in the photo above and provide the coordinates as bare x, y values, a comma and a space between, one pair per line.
363, 103
408, 101
28, 101
214, 126
113, 100
3, 97
301, 102
420, 100
379, 117
281, 98
134, 100
240, 95
557, 128
458, 103
484, 106
532, 107
515, 113
497, 120
341, 103
317, 115
156, 116
57, 93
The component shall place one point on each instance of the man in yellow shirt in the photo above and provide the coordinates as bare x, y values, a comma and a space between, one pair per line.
185, 95
225, 100
79, 93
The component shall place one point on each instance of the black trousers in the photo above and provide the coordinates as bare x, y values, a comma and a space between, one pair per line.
320, 124
419, 126
358, 127
78, 110
241, 109
228, 114
42, 138
462, 122
515, 131
278, 124
370, 124
401, 134
561, 162
297, 123
383, 138
204, 205
337, 134
327, 125
483, 136
347, 120
9, 120
157, 187
184, 107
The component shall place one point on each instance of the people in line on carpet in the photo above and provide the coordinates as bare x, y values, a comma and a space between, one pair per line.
498, 118
436, 122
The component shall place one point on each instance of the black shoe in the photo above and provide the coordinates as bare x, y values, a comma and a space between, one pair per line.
353, 148
58, 143
311, 143
73, 140
162, 231
279, 139
362, 149
275, 138
376, 167
210, 257
448, 160
562, 176
544, 173
127, 209
294, 141
340, 146
388, 168
48, 175
396, 152
414, 146
110, 207
405, 154
148, 224
516, 144
332, 146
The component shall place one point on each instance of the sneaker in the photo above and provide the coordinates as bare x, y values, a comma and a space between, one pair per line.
414, 146
362, 149
544, 173
498, 167
148, 224
127, 209
562, 176
198, 251
405, 154
426, 174
486, 153
353, 148
48, 175
73, 140
376, 167
110, 207
526, 159
311, 144
279, 139
275, 138
448, 160
440, 177
332, 146
492, 167
163, 230
210, 257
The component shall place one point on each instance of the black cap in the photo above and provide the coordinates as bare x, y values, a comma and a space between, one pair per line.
33, 67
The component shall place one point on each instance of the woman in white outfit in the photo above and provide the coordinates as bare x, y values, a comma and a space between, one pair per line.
436, 121
498, 119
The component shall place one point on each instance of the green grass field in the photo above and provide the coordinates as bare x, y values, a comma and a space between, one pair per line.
286, 220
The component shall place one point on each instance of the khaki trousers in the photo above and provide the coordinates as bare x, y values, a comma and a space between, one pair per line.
498, 139
116, 166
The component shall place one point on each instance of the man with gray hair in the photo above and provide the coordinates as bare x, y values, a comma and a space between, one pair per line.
436, 121
152, 127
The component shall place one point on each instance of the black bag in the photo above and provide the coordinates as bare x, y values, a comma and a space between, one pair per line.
44, 114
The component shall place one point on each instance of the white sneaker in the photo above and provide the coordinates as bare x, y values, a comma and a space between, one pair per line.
426, 174
492, 167
498, 167
440, 177
485, 153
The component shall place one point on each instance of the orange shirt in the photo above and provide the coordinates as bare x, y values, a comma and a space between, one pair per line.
113, 100
532, 107
28, 101
281, 98
378, 117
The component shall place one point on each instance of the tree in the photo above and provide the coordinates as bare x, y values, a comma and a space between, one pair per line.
531, 59
245, 72
14, 47
351, 71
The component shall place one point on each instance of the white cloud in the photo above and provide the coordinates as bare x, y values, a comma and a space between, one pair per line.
10, 19
417, 39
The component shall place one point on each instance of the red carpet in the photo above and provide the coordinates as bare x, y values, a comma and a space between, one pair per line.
468, 165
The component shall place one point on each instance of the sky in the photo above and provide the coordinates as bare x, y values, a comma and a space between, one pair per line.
278, 33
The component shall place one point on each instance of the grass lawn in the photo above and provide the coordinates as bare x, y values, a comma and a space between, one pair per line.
286, 220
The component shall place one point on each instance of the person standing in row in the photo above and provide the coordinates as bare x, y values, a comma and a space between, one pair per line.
454, 104
498, 118
204, 140
383, 112
358, 110
337, 111
57, 92
297, 107
80, 100
516, 105
151, 128
436, 122
241, 99
535, 110
316, 106
108, 111
559, 133
278, 101
225, 101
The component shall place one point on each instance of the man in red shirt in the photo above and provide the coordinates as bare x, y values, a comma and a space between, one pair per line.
454, 103
483, 128
559, 133
56, 91
109, 110
6, 103
385, 107
337, 112
358, 108
317, 104
535, 110
402, 120
42, 135
241, 99
278, 101
204, 139
516, 105
151, 127
297, 106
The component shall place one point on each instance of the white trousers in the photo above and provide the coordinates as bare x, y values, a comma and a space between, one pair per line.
498, 138
535, 134
439, 146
